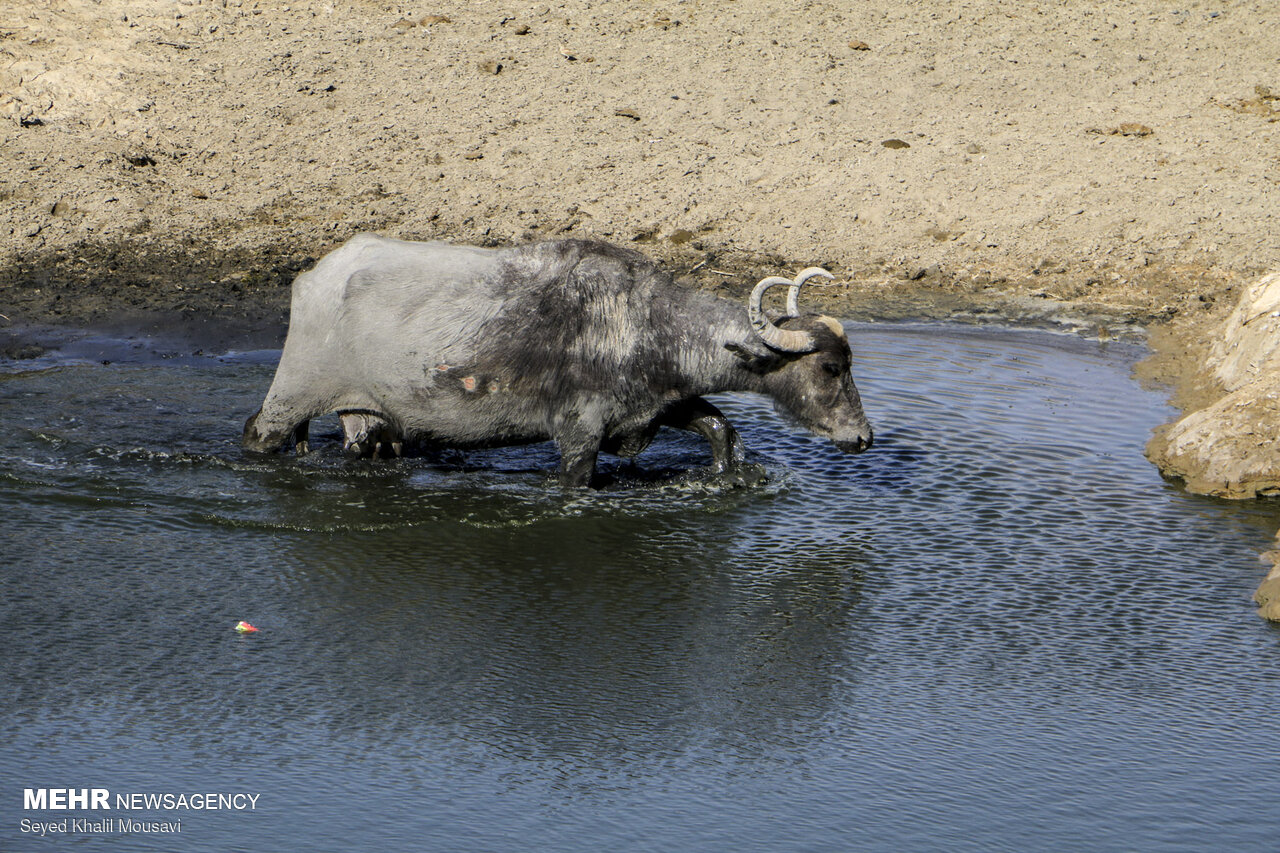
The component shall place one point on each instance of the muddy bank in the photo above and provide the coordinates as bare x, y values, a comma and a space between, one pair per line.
90, 283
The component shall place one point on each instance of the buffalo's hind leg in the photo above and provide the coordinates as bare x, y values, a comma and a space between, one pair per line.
368, 434
697, 415
302, 438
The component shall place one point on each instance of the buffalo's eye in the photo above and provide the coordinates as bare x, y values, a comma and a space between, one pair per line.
832, 368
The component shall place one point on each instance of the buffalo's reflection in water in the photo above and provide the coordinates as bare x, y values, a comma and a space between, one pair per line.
579, 638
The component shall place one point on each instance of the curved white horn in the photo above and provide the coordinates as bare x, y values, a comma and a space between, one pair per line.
784, 340
793, 295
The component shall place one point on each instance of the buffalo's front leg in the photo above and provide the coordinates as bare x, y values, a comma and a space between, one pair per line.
579, 445
263, 435
697, 415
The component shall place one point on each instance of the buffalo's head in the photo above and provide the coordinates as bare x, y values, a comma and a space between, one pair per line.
805, 366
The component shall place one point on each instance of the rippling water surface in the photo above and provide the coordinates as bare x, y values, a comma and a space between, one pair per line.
997, 630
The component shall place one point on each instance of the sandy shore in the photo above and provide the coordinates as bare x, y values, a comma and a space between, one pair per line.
1121, 158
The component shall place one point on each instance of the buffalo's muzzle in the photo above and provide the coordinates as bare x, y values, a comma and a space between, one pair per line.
857, 444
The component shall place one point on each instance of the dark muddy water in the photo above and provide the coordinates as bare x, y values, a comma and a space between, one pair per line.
997, 630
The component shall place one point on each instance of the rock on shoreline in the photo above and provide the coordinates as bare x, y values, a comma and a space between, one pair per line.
1231, 448
1268, 594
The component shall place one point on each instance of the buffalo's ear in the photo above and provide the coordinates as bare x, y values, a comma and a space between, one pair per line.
760, 360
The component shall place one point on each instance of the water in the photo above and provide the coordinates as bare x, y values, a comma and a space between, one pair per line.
997, 630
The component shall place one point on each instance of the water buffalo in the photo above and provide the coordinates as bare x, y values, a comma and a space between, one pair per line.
578, 341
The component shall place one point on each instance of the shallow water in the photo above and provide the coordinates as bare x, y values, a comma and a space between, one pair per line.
997, 630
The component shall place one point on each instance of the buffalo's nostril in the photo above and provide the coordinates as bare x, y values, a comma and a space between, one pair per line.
857, 445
